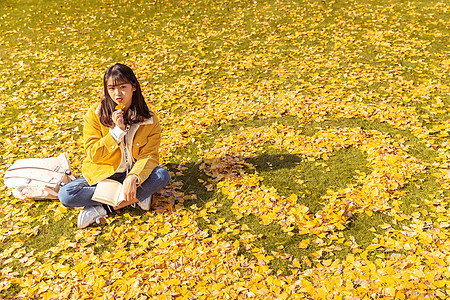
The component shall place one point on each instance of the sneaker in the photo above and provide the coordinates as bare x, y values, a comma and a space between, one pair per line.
145, 204
93, 214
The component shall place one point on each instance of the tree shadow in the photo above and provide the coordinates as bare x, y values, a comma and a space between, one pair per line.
194, 181
273, 162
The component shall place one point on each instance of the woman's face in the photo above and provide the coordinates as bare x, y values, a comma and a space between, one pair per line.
121, 92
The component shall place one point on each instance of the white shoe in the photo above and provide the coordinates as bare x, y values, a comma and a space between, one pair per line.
93, 214
145, 204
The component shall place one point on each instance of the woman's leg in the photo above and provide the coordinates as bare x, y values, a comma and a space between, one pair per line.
77, 193
158, 179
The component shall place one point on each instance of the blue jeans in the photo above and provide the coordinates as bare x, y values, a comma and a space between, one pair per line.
78, 193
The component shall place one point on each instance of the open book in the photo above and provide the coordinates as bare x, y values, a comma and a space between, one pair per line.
109, 191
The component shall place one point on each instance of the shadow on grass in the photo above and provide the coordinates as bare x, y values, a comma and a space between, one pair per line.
289, 174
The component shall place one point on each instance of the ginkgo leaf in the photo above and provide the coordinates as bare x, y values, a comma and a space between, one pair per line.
232, 82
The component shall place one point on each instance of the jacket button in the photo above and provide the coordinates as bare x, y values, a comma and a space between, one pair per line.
143, 176
112, 147
137, 144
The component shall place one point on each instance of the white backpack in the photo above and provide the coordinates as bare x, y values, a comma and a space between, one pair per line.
38, 178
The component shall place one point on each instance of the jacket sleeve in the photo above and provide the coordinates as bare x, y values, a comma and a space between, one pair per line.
96, 145
147, 157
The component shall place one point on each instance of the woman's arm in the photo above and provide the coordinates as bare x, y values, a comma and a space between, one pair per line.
97, 144
147, 159
147, 152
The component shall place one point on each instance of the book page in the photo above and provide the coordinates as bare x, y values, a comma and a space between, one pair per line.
109, 191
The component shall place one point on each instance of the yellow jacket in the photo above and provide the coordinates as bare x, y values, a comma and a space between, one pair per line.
103, 154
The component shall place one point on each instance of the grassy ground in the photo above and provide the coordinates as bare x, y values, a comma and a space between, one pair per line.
236, 85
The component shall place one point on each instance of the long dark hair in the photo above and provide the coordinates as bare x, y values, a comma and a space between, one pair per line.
138, 110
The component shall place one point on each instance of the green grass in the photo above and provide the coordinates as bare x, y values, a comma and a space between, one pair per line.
53, 55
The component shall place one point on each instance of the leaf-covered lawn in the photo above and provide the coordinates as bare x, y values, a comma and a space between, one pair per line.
308, 144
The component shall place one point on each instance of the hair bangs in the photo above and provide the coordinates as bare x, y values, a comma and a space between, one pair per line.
117, 78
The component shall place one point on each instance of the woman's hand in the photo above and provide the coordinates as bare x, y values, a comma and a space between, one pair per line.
129, 191
117, 118
129, 187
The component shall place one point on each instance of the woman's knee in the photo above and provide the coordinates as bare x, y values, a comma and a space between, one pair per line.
64, 196
68, 193
163, 176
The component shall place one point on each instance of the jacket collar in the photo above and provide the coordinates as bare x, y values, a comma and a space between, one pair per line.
145, 122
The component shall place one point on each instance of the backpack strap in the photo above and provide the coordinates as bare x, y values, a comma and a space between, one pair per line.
25, 177
51, 192
67, 172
